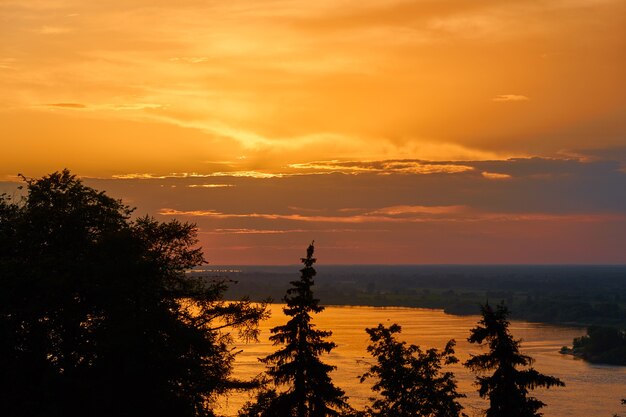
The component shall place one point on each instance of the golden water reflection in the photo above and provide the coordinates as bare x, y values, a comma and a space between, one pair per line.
591, 390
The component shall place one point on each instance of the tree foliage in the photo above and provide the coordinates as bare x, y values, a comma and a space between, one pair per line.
507, 387
410, 381
97, 315
602, 344
297, 367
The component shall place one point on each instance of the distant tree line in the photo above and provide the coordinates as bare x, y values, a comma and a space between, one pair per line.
572, 295
98, 317
600, 345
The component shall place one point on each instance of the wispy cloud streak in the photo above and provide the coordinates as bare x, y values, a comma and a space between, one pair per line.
510, 98
405, 215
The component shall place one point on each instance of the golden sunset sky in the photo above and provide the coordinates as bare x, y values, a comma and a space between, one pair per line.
434, 131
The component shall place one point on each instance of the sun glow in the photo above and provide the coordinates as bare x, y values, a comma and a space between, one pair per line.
365, 121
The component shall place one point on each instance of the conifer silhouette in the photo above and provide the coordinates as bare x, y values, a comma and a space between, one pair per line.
507, 388
297, 365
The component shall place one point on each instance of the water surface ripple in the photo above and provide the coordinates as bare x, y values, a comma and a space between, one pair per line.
591, 390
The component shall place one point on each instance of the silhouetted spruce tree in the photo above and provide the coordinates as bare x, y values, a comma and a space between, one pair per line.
297, 366
409, 380
507, 387
97, 315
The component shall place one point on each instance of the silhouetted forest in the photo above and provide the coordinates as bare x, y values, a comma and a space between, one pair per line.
99, 317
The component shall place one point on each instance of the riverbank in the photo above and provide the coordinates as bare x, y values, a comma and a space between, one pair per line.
563, 295
601, 345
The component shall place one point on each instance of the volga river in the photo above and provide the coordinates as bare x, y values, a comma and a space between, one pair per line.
590, 391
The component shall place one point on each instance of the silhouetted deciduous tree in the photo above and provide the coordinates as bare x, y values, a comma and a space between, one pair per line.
97, 314
507, 387
297, 365
409, 380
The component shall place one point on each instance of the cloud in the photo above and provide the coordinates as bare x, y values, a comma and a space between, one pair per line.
190, 60
250, 174
407, 214
253, 231
139, 176
100, 107
8, 63
383, 167
388, 167
613, 153
384, 215
305, 209
509, 97
266, 216
400, 210
330, 80
495, 176
131, 106
183, 175
554, 209
209, 185
244, 231
535, 185
67, 105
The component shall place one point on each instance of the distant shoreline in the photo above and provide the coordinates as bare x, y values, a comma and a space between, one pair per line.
564, 295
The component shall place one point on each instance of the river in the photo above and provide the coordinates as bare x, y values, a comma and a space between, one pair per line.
591, 390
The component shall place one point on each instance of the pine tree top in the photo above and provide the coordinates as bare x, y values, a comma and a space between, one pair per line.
297, 363
299, 298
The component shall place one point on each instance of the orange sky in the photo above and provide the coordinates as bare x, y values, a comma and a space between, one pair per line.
488, 104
